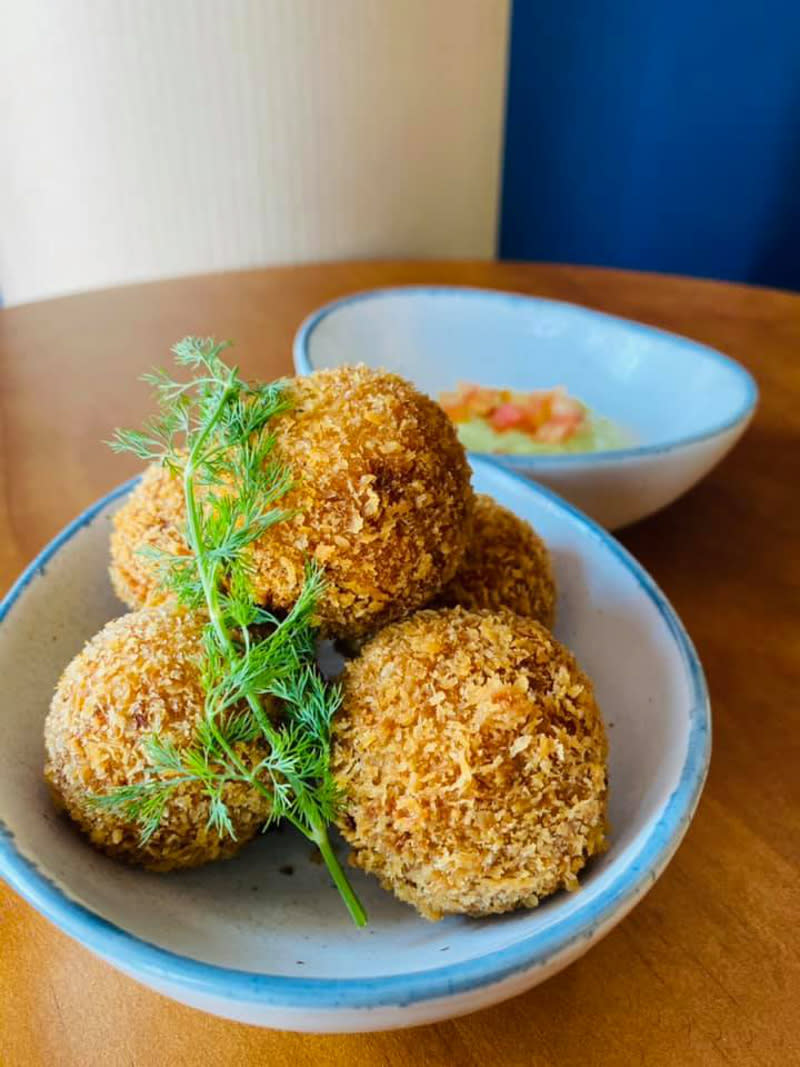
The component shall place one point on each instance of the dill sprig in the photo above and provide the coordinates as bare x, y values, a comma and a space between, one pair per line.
212, 432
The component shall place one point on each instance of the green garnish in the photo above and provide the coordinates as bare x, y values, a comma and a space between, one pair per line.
212, 432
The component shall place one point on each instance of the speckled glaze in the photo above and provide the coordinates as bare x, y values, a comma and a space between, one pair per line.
244, 940
684, 404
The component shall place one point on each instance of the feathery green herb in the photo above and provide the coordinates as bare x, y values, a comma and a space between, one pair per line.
213, 432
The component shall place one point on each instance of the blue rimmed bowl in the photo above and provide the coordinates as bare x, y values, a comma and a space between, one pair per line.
245, 940
682, 405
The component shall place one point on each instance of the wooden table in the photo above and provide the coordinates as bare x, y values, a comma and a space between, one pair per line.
706, 970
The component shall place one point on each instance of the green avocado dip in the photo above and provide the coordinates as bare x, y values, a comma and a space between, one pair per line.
598, 435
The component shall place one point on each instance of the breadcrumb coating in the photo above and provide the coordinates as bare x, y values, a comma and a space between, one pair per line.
382, 499
153, 516
506, 565
472, 755
140, 676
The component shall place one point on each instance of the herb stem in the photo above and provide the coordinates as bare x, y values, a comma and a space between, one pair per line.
193, 521
314, 830
247, 776
319, 835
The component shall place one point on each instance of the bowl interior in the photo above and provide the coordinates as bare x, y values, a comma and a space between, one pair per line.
658, 386
247, 914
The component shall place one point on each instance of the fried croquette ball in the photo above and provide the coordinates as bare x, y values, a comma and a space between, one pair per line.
506, 565
139, 676
381, 498
472, 756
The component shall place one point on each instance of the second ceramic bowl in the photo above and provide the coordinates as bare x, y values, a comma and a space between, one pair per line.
684, 405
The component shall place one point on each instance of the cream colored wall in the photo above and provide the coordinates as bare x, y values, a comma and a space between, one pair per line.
148, 138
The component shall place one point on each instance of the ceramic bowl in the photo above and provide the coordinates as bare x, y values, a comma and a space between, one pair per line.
684, 405
244, 940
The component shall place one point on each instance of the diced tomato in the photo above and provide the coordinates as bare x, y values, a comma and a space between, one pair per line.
484, 401
565, 405
470, 401
456, 413
559, 429
537, 410
455, 404
507, 417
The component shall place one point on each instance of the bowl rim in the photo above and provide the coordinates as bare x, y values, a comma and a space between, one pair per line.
645, 861
603, 457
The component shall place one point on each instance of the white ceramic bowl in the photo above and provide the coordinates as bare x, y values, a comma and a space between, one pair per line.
245, 941
684, 404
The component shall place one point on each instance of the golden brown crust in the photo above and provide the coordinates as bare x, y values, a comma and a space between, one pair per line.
473, 759
139, 676
382, 499
506, 565
153, 516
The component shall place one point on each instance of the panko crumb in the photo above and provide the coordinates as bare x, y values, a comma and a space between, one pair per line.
152, 517
506, 565
382, 499
472, 756
139, 676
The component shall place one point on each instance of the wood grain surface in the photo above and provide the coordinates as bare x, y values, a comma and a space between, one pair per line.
706, 970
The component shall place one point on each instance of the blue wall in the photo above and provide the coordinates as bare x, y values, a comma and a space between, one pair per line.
656, 135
